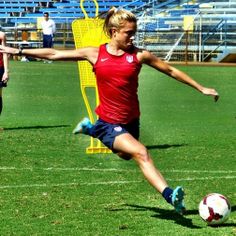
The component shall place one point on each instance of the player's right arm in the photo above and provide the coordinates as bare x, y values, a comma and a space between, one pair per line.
88, 53
5, 76
155, 62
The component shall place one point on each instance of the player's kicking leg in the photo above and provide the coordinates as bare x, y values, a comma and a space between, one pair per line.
128, 145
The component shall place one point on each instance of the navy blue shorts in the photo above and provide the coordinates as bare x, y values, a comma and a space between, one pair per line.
2, 84
107, 132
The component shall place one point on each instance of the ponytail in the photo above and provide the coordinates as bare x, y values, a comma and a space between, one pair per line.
115, 18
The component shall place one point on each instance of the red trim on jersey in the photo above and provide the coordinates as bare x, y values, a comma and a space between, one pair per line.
117, 81
1, 60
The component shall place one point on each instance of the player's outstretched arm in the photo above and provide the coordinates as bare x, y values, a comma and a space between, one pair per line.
184, 78
88, 53
5, 76
173, 72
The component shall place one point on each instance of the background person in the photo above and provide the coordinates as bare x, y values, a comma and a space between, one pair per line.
49, 29
117, 66
4, 77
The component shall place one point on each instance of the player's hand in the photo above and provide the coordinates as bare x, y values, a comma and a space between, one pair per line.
2, 49
211, 92
9, 50
5, 77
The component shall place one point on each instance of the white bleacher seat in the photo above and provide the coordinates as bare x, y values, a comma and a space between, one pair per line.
218, 11
223, 4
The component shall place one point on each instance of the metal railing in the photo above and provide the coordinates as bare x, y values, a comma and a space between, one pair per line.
218, 34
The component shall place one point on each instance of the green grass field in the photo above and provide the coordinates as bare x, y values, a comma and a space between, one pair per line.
49, 186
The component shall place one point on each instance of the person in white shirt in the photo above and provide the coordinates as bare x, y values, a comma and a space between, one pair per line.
48, 28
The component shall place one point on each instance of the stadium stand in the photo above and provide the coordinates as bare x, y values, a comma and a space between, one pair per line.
158, 20
215, 21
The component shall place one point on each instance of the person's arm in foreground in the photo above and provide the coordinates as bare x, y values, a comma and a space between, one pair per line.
5, 76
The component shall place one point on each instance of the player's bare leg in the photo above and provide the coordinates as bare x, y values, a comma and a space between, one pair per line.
1, 129
128, 146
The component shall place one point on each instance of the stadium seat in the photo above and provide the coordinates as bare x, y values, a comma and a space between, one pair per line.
13, 11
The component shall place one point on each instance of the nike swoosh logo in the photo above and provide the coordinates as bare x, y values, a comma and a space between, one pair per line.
104, 59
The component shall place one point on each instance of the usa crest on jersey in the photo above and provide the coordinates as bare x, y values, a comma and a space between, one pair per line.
129, 58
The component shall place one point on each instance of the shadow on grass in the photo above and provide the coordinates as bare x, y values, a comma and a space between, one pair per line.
233, 208
164, 146
168, 215
171, 215
36, 127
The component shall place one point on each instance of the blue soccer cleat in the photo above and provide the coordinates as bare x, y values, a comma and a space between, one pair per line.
83, 126
177, 200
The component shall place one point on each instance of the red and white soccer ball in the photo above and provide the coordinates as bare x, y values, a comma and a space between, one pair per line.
214, 209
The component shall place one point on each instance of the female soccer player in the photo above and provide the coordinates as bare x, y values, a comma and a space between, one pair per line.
117, 66
3, 69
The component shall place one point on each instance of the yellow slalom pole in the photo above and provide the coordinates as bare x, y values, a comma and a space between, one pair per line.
89, 32
84, 11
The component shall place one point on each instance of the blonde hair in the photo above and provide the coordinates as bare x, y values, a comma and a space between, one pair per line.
115, 18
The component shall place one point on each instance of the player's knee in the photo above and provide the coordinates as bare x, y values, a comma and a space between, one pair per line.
142, 155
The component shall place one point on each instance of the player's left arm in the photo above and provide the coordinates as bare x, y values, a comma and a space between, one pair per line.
5, 76
155, 62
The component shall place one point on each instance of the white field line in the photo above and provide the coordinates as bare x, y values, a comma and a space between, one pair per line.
67, 184
43, 185
6, 168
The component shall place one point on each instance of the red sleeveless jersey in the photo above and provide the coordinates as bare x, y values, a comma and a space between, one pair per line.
117, 82
1, 60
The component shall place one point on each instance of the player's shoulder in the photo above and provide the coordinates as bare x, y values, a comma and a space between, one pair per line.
88, 53
2, 36
143, 54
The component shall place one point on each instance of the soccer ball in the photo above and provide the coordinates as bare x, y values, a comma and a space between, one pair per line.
214, 209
